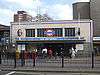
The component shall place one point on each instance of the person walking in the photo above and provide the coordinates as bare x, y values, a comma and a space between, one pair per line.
50, 53
44, 52
73, 53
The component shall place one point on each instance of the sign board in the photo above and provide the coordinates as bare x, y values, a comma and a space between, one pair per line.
79, 46
21, 47
49, 32
48, 38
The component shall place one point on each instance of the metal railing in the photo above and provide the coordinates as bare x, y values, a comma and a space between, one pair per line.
31, 59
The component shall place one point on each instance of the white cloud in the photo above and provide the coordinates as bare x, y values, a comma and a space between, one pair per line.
30, 6
5, 12
6, 16
59, 11
22, 2
1, 22
82, 0
27, 3
31, 12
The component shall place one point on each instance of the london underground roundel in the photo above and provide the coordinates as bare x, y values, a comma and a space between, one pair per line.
49, 32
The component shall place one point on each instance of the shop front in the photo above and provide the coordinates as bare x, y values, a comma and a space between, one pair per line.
57, 45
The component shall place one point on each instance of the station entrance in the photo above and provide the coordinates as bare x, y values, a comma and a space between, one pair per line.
56, 47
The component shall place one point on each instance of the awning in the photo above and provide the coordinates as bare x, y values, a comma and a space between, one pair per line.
49, 40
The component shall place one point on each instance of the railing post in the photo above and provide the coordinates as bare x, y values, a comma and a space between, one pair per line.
33, 62
0, 58
92, 59
62, 61
62, 56
14, 59
33, 57
22, 58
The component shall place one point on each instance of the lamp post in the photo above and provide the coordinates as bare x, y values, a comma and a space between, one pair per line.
91, 42
14, 54
7, 42
13, 47
0, 53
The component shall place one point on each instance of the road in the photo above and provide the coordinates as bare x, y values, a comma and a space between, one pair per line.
42, 73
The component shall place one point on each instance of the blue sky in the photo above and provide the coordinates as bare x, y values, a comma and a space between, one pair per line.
57, 9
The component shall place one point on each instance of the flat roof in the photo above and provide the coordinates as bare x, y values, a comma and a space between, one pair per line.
56, 22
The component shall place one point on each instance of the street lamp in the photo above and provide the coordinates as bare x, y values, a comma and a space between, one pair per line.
91, 42
14, 53
13, 47
0, 53
7, 42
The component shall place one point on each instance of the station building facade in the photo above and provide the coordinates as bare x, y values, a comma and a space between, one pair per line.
57, 34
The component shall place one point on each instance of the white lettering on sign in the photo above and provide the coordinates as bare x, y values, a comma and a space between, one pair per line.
48, 38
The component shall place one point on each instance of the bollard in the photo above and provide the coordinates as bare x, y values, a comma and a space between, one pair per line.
92, 59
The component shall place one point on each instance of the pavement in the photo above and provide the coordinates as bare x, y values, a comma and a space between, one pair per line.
48, 71
53, 70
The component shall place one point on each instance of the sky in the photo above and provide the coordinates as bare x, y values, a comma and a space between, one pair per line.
56, 9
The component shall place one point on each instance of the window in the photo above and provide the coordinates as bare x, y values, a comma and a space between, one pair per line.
79, 31
6, 34
69, 31
58, 32
30, 32
40, 32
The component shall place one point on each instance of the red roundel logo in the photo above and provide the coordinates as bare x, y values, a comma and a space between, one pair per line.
49, 32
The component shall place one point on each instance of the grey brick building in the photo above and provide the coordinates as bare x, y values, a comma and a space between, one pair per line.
88, 10
95, 16
82, 10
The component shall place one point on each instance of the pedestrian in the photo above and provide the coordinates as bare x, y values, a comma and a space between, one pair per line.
70, 53
44, 52
22, 58
33, 57
73, 53
33, 54
17, 54
50, 53
26, 55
